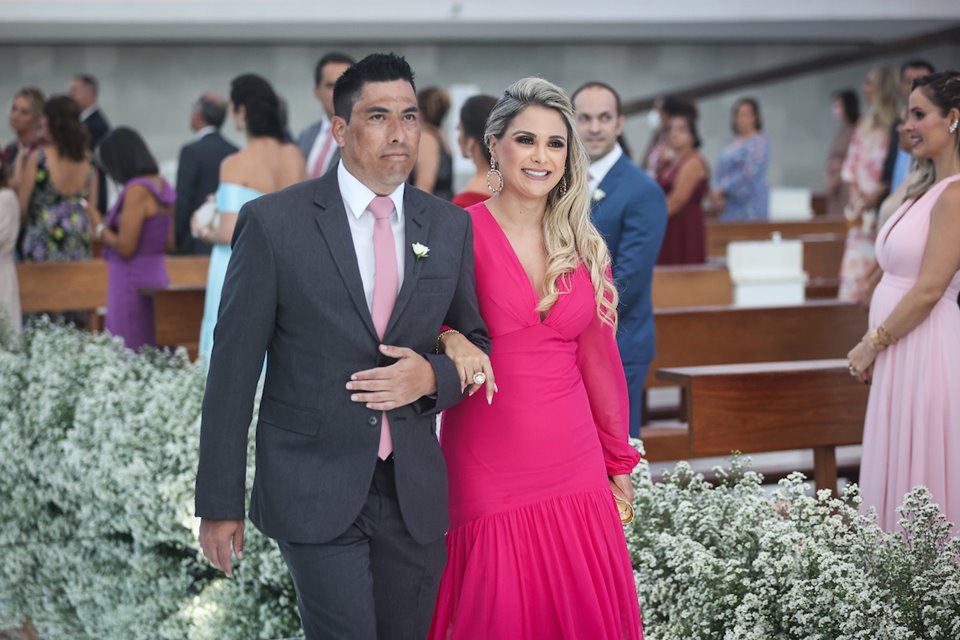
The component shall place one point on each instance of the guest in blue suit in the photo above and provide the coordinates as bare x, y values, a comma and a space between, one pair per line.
630, 211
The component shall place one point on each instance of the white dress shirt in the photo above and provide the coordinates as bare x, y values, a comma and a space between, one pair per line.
600, 168
356, 197
325, 132
204, 132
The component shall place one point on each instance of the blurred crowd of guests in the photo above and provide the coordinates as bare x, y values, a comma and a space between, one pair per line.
53, 195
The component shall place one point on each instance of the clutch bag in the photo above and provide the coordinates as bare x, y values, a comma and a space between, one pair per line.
625, 509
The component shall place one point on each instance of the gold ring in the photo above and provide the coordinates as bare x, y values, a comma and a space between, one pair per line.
479, 378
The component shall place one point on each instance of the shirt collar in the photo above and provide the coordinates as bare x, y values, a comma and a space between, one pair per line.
358, 196
600, 168
89, 111
204, 131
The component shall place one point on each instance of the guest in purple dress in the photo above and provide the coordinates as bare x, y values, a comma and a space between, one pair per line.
136, 233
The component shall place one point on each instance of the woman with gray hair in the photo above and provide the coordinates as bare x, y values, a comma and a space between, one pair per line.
540, 470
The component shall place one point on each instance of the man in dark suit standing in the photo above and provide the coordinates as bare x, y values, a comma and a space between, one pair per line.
630, 211
316, 142
344, 282
198, 170
85, 89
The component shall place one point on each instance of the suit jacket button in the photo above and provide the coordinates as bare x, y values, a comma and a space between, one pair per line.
373, 420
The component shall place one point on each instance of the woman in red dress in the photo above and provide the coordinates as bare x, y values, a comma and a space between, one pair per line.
470, 131
685, 181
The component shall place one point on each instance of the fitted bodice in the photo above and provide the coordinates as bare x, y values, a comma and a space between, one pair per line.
508, 301
903, 239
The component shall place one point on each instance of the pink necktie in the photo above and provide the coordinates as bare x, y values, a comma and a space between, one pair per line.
321, 162
385, 285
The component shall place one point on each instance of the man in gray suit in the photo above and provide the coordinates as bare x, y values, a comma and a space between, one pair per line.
316, 141
350, 479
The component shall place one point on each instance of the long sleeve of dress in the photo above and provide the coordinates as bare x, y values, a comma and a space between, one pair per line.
599, 361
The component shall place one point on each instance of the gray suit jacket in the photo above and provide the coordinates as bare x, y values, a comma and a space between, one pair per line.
293, 290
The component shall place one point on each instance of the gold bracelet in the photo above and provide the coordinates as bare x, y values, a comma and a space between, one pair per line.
440, 337
885, 336
874, 338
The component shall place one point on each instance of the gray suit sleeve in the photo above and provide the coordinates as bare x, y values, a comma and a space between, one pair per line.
464, 315
245, 325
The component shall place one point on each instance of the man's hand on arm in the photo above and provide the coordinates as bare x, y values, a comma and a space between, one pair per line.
407, 380
218, 537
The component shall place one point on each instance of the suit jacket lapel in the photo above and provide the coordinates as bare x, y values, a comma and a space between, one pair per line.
612, 179
333, 224
416, 229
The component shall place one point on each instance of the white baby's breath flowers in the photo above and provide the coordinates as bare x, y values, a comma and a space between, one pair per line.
98, 451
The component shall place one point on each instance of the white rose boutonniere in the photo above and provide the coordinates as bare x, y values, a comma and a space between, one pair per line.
598, 195
420, 250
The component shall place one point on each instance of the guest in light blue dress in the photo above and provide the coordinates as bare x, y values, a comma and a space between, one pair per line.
740, 189
230, 198
266, 164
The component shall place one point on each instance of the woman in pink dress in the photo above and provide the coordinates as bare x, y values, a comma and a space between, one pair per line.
912, 351
536, 548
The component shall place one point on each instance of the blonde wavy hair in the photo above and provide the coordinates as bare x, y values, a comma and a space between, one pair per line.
568, 234
887, 100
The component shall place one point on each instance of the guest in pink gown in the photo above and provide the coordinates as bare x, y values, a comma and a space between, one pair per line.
535, 547
912, 351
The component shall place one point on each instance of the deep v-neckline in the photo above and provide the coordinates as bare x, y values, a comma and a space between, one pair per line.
897, 219
542, 317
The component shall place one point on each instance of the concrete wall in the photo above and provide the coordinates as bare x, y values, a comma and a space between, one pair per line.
151, 87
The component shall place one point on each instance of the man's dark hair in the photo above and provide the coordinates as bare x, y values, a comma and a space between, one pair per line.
376, 67
213, 112
124, 156
917, 63
90, 82
330, 58
599, 85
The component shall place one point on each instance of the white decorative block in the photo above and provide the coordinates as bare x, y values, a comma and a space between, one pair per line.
767, 273
790, 203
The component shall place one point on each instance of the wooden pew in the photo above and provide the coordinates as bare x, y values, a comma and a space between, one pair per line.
822, 254
178, 312
719, 234
56, 287
773, 406
691, 285
700, 336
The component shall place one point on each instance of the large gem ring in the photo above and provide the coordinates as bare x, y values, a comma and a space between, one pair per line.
479, 378
853, 370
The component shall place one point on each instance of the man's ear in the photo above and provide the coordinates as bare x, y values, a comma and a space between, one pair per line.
339, 128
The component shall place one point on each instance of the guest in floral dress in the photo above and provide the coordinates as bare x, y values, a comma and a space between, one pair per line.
862, 172
740, 189
57, 186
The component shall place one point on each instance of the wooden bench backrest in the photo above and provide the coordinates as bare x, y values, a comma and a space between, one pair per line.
693, 337
719, 234
82, 285
689, 286
773, 406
